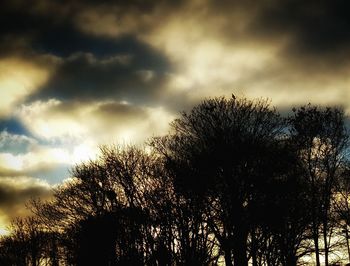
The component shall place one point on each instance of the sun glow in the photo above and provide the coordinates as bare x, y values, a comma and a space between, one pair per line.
10, 161
83, 152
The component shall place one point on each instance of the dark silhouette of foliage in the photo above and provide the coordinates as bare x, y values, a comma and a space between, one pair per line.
232, 183
222, 151
322, 139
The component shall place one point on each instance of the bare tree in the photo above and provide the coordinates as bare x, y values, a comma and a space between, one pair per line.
231, 181
104, 210
322, 138
219, 151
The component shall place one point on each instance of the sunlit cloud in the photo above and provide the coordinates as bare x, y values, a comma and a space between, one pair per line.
100, 119
214, 69
18, 78
43, 157
43, 119
10, 161
224, 55
80, 127
29, 157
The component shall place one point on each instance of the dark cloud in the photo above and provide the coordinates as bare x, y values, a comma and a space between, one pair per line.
90, 66
316, 26
135, 73
10, 195
16, 192
6, 172
21, 22
66, 40
123, 111
50, 26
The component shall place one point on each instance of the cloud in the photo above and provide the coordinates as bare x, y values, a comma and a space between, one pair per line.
256, 50
136, 76
15, 193
126, 17
95, 121
15, 143
174, 53
18, 79
312, 27
318, 27
171, 54
71, 131
53, 169
21, 155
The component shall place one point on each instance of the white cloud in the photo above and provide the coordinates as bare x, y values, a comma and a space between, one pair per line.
21, 155
45, 122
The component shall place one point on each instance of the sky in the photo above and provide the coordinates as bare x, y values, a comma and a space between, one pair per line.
78, 74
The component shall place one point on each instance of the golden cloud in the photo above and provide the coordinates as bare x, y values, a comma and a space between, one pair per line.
83, 126
18, 79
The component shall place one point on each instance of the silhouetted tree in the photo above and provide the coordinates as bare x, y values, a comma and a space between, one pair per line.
281, 212
104, 208
27, 242
342, 205
231, 181
322, 138
220, 151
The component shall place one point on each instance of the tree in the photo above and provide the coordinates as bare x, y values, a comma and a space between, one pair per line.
280, 212
231, 181
26, 245
322, 138
103, 210
221, 151
342, 205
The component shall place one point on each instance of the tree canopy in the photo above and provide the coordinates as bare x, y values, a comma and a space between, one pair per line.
233, 182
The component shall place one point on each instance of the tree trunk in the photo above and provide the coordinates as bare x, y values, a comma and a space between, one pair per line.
291, 260
315, 233
347, 241
326, 248
254, 250
228, 259
317, 249
240, 247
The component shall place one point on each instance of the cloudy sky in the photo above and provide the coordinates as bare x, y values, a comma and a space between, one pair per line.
77, 74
